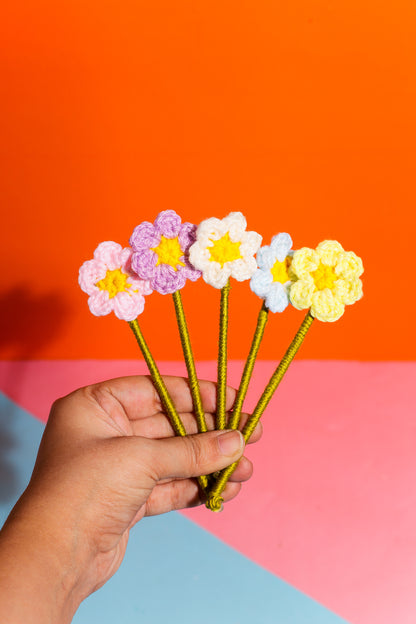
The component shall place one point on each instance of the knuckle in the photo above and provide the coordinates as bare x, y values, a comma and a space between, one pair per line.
196, 454
175, 497
55, 407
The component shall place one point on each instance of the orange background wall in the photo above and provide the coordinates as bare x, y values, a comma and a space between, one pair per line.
299, 114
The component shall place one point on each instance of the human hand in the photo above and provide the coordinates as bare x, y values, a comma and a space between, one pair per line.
107, 458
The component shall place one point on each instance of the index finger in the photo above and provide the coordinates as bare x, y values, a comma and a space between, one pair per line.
139, 397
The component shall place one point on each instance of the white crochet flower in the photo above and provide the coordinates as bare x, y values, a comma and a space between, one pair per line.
224, 249
273, 278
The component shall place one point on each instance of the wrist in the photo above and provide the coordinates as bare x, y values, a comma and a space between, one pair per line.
40, 567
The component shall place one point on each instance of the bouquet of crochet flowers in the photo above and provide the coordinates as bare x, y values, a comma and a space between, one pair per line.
163, 255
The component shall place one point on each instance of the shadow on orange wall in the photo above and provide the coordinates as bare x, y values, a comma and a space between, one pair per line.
30, 322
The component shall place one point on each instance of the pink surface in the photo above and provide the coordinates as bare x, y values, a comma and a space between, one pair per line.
331, 507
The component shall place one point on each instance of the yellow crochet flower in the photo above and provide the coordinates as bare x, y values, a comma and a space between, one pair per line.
327, 280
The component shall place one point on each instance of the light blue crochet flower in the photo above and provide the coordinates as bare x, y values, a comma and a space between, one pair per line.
272, 279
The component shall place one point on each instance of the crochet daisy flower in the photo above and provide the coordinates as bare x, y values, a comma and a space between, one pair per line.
224, 249
327, 280
160, 252
111, 284
273, 278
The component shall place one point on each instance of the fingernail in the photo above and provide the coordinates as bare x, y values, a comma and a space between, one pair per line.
230, 442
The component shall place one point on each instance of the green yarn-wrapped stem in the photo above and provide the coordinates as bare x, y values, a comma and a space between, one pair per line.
222, 358
215, 500
158, 381
262, 318
277, 376
190, 362
162, 391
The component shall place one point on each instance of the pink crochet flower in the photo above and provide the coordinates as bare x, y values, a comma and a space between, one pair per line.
111, 284
160, 252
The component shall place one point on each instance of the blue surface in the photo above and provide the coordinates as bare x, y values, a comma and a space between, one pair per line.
167, 557
20, 435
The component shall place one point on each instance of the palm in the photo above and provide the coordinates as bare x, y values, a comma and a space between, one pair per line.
91, 436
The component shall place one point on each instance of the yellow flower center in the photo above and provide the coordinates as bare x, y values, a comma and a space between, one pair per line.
224, 250
169, 252
280, 272
324, 276
114, 282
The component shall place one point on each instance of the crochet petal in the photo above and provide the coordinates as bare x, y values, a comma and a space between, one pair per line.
243, 268
109, 253
190, 272
235, 223
100, 303
301, 293
125, 260
349, 266
329, 252
251, 242
265, 258
281, 245
140, 286
128, 306
91, 272
325, 307
187, 236
210, 229
199, 256
144, 264
304, 261
168, 223
261, 283
348, 292
292, 275
144, 236
277, 299
217, 276
166, 280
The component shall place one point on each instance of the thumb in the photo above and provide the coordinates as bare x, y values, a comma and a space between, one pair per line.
195, 455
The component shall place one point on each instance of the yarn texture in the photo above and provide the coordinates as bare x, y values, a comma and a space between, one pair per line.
160, 252
273, 278
327, 279
190, 362
111, 284
234, 420
221, 417
224, 249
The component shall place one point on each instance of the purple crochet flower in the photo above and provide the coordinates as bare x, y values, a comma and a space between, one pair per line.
160, 252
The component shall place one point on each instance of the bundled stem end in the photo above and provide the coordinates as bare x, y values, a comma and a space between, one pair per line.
215, 503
